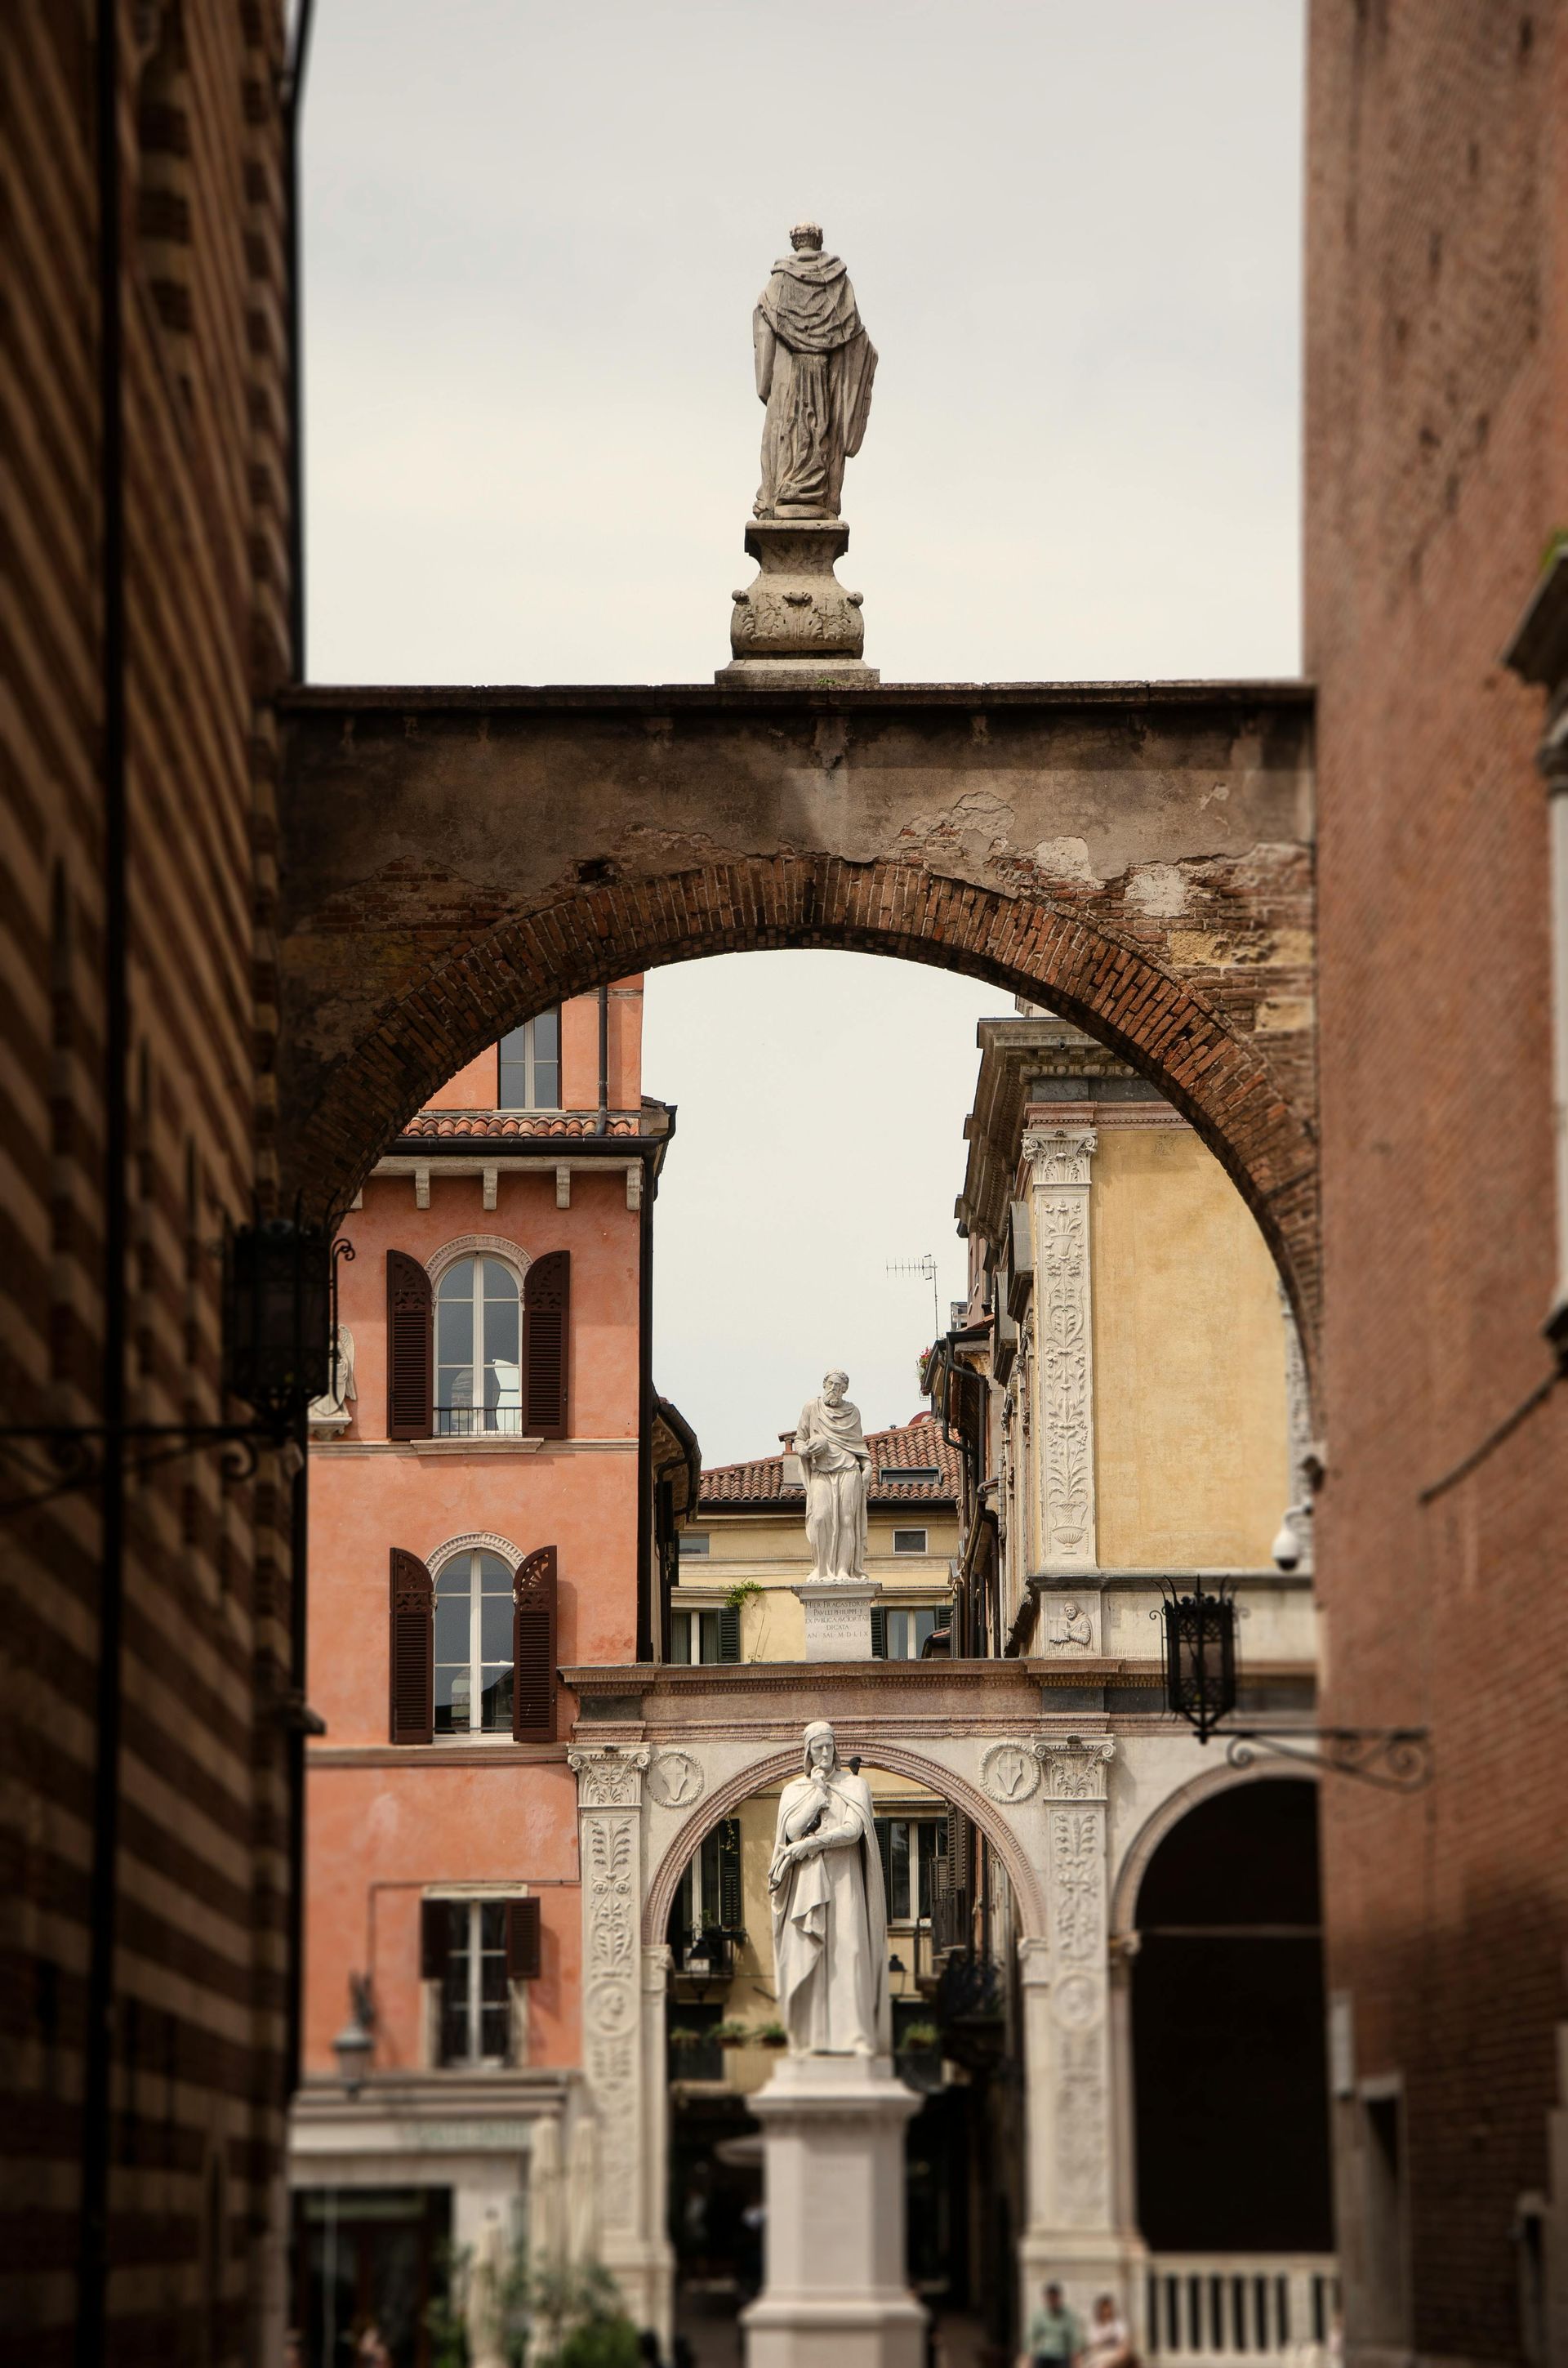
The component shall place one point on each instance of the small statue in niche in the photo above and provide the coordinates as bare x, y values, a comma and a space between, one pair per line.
1070, 1628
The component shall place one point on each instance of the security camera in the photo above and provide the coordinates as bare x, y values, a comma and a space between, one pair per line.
1287, 1547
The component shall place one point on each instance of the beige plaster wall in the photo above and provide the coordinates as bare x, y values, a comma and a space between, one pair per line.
1190, 1451
770, 1553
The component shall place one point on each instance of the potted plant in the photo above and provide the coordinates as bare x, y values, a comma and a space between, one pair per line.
772, 2034
919, 2037
733, 2035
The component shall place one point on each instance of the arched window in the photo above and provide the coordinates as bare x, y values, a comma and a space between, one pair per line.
478, 1350
474, 1648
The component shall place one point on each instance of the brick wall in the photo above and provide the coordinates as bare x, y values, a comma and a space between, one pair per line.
1436, 470
200, 1874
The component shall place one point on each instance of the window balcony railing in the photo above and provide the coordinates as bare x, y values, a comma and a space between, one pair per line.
1225, 2310
479, 1422
712, 1951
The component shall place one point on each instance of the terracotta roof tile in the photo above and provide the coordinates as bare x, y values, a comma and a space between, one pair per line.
532, 1126
915, 1449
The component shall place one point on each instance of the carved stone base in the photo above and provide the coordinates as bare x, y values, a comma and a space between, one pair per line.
838, 1617
796, 624
835, 2294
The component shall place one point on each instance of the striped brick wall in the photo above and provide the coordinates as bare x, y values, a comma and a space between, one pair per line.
201, 1879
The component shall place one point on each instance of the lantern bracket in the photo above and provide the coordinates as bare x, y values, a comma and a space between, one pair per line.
1395, 1759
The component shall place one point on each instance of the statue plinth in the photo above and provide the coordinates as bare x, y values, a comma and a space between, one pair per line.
796, 626
835, 2294
838, 1617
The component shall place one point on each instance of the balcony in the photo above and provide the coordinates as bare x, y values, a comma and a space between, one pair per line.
1219, 2310
478, 1422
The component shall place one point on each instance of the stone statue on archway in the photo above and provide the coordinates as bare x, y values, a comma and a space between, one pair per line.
814, 367
835, 1463
829, 1911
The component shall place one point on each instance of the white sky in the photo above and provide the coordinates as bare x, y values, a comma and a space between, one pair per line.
534, 236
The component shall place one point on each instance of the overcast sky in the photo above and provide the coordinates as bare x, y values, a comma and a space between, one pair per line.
534, 236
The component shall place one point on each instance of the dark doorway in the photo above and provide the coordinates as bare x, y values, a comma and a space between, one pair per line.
364, 2256
1229, 2079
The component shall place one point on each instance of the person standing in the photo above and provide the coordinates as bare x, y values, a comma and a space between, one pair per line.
1055, 2333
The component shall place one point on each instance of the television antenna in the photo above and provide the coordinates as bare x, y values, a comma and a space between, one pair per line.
925, 1268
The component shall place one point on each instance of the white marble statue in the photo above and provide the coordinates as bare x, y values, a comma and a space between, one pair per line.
814, 366
331, 1411
835, 1464
483, 2316
829, 1911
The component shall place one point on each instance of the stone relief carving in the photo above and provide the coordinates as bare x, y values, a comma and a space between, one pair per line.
609, 1784
674, 1780
1070, 1629
1060, 1157
1076, 1777
1074, 1771
1010, 1772
608, 1779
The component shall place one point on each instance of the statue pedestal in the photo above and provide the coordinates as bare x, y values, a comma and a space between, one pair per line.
796, 626
838, 1617
834, 2294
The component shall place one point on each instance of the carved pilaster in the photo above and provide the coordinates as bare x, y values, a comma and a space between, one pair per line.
1081, 2186
609, 1800
1060, 1159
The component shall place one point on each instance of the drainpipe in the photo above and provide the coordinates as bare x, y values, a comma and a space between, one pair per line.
602, 1125
292, 103
98, 2066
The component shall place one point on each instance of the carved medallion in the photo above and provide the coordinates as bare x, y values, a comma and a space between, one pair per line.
1009, 1773
674, 1780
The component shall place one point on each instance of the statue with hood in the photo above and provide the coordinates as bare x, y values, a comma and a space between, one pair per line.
829, 1910
814, 367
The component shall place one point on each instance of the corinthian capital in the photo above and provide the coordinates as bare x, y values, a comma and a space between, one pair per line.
1060, 1155
608, 1778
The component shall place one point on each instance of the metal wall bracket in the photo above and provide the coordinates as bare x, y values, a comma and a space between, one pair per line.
1396, 1759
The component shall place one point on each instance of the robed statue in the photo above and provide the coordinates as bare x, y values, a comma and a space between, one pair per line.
835, 1464
814, 367
830, 1924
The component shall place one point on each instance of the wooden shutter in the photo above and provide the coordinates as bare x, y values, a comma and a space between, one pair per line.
547, 1328
434, 1938
958, 1852
730, 1633
533, 1648
413, 1650
522, 1940
879, 1634
885, 1851
730, 1912
410, 1348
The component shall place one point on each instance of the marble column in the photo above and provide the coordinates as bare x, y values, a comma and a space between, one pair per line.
1060, 1159
610, 1823
1073, 2233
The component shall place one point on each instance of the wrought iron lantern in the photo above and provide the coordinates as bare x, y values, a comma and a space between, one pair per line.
278, 1314
1200, 1655
356, 2043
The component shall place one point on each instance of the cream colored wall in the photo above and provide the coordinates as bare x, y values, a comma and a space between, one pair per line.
1190, 1459
759, 1550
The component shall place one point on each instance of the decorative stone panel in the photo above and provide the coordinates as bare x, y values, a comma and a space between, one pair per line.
1060, 1159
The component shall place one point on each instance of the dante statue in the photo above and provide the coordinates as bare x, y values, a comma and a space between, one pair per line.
830, 1924
836, 1464
814, 367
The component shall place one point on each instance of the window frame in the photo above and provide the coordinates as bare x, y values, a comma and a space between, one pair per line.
472, 1550
477, 1256
528, 1061
696, 1613
929, 1850
891, 1611
923, 1534
515, 1993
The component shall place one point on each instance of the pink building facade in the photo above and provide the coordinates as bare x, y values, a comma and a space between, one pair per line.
492, 1485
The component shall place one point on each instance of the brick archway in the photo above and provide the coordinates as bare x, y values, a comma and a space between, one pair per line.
1136, 856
